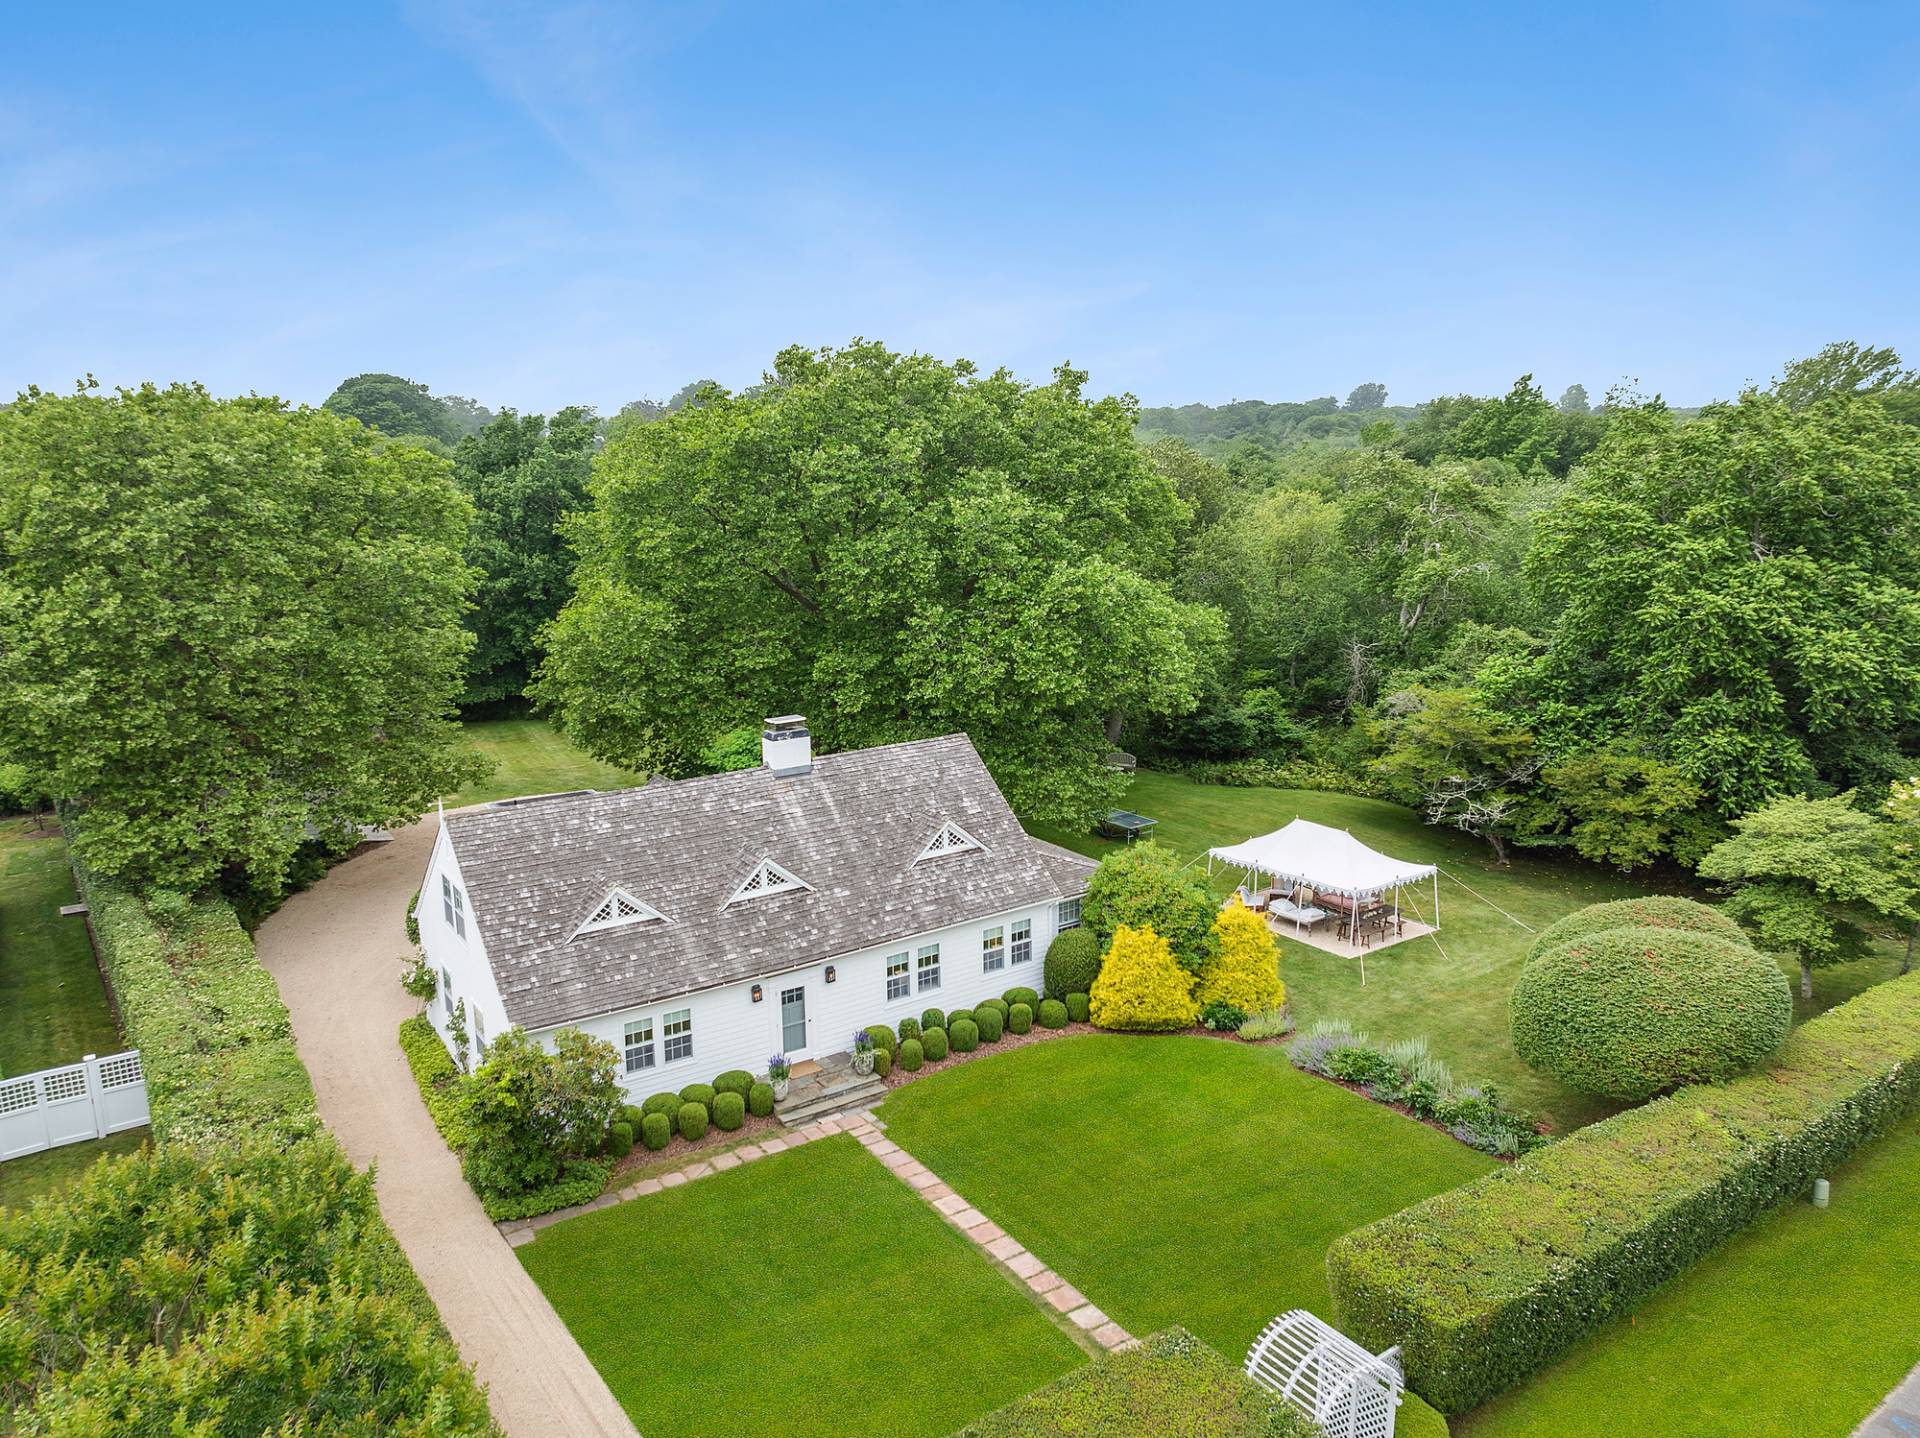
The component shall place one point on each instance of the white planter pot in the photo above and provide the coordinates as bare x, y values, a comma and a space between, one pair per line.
863, 1062
780, 1089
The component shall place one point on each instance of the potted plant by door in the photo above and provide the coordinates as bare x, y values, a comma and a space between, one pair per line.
862, 1052
779, 1071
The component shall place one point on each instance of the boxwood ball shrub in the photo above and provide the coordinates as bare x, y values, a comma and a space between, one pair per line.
933, 1042
1656, 911
656, 1131
999, 1006
991, 1023
666, 1103
1073, 963
734, 1081
1019, 1019
729, 1110
883, 1062
966, 1036
693, 1120
932, 1019
1628, 1013
632, 1115
1079, 1007
1053, 1014
1485, 1285
882, 1036
619, 1140
954, 1017
1022, 996
760, 1098
911, 1055
700, 1093
909, 1029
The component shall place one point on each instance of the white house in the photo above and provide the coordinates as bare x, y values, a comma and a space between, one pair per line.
706, 924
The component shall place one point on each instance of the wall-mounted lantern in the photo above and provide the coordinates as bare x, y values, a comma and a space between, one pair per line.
829, 973
757, 995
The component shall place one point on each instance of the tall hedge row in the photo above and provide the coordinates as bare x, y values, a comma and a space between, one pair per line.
1487, 1284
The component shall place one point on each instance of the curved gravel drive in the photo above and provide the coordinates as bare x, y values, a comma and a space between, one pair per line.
336, 952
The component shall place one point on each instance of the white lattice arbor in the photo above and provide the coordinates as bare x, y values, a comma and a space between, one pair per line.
1348, 1391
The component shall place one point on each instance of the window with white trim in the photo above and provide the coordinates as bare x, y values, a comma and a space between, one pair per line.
1069, 914
616, 911
928, 969
949, 838
766, 880
459, 912
1022, 945
446, 991
639, 1045
446, 899
677, 1029
993, 950
480, 1035
899, 982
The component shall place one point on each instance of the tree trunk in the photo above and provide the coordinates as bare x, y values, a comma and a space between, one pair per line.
1114, 729
1806, 982
1499, 848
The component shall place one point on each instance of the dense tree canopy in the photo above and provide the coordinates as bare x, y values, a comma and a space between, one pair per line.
524, 474
404, 407
896, 547
225, 626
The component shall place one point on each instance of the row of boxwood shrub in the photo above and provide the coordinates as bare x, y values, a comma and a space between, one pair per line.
1407, 1075
937, 1032
723, 1104
1487, 1284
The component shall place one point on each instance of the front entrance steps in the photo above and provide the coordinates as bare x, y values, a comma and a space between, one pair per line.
834, 1088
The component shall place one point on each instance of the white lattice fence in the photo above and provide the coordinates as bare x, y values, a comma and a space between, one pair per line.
1324, 1374
71, 1104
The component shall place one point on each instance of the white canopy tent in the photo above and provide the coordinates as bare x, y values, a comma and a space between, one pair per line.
1329, 861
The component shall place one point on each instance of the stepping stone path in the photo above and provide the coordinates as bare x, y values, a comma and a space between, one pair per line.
1042, 1283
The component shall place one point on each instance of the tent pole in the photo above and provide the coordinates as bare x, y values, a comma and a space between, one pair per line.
1436, 897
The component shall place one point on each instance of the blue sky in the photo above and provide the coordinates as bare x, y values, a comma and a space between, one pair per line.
541, 205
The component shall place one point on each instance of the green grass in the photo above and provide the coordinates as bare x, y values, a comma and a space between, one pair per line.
22, 1179
1173, 1180
532, 757
808, 1293
1796, 1329
1453, 986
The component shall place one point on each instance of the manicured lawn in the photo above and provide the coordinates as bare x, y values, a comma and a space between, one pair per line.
808, 1293
1453, 986
532, 757
1797, 1329
1173, 1180
26, 1178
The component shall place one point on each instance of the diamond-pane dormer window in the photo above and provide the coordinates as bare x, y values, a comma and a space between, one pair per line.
949, 838
766, 879
616, 911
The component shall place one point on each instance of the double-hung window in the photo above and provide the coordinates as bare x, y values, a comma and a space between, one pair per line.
446, 991
639, 1045
993, 950
446, 899
929, 968
899, 982
1022, 941
453, 904
480, 1035
1069, 914
677, 1029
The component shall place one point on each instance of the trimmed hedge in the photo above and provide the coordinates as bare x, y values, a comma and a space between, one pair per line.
882, 1036
700, 1093
932, 1019
1079, 1008
619, 1140
656, 1131
1053, 1014
966, 1036
666, 1103
1021, 995
692, 1120
991, 1024
1656, 911
583, 1182
760, 1099
1019, 1019
442, 1086
729, 1110
1073, 963
911, 1055
999, 1006
954, 1017
882, 1062
1629, 1013
1487, 1284
737, 1081
909, 1029
933, 1043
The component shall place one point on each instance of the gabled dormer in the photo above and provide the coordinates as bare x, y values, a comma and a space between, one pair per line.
949, 838
763, 881
618, 910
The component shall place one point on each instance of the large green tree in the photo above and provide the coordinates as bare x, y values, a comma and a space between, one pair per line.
524, 474
895, 546
1742, 591
1463, 766
225, 626
392, 405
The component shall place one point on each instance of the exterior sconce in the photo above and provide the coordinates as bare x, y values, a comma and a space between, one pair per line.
757, 995
829, 973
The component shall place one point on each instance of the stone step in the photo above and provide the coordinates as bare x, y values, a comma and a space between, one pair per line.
860, 1091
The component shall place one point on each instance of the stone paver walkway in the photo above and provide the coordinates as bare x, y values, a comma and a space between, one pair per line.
1899, 1415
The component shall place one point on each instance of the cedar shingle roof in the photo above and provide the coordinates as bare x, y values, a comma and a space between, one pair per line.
850, 829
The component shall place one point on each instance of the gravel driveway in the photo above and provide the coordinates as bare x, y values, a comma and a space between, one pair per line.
336, 952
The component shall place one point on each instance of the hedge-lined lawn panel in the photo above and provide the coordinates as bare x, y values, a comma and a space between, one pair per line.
53, 1007
25, 1179
1173, 1180
1453, 987
1796, 1329
532, 757
807, 1293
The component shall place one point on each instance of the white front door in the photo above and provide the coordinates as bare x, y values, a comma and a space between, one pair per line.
793, 1023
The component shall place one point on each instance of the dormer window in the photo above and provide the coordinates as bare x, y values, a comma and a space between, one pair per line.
949, 838
767, 879
616, 911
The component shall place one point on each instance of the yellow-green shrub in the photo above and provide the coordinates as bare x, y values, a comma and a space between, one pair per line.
1246, 973
1142, 985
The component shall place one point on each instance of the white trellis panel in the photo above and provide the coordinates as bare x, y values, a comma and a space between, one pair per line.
1329, 1378
71, 1104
